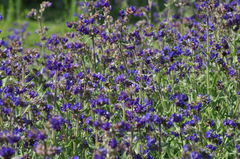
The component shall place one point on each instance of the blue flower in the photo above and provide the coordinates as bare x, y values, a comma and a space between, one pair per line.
121, 13
238, 148
150, 141
208, 134
176, 117
193, 137
229, 122
7, 152
211, 147
196, 155
57, 122
113, 143
231, 71
106, 126
74, 157
14, 138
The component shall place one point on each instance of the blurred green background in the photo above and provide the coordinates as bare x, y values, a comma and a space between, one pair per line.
55, 17
14, 10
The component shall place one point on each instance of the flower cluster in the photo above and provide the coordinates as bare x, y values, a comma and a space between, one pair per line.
164, 87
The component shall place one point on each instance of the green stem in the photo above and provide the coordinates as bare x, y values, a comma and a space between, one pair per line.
207, 55
55, 90
93, 53
168, 10
42, 32
45, 149
76, 136
124, 114
160, 139
1, 120
121, 51
150, 11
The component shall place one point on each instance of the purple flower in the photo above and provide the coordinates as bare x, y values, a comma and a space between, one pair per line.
113, 143
211, 147
211, 123
193, 137
100, 154
46, 4
32, 13
185, 148
57, 122
203, 98
122, 126
197, 107
229, 122
106, 126
7, 152
120, 78
97, 123
196, 155
121, 13
208, 134
102, 113
150, 141
238, 92
176, 117
231, 71
137, 156
180, 99
238, 148
13, 138
74, 157
101, 3
69, 25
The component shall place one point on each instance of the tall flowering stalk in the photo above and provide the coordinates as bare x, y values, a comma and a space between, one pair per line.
38, 15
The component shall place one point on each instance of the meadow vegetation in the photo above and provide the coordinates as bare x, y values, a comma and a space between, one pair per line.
143, 84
